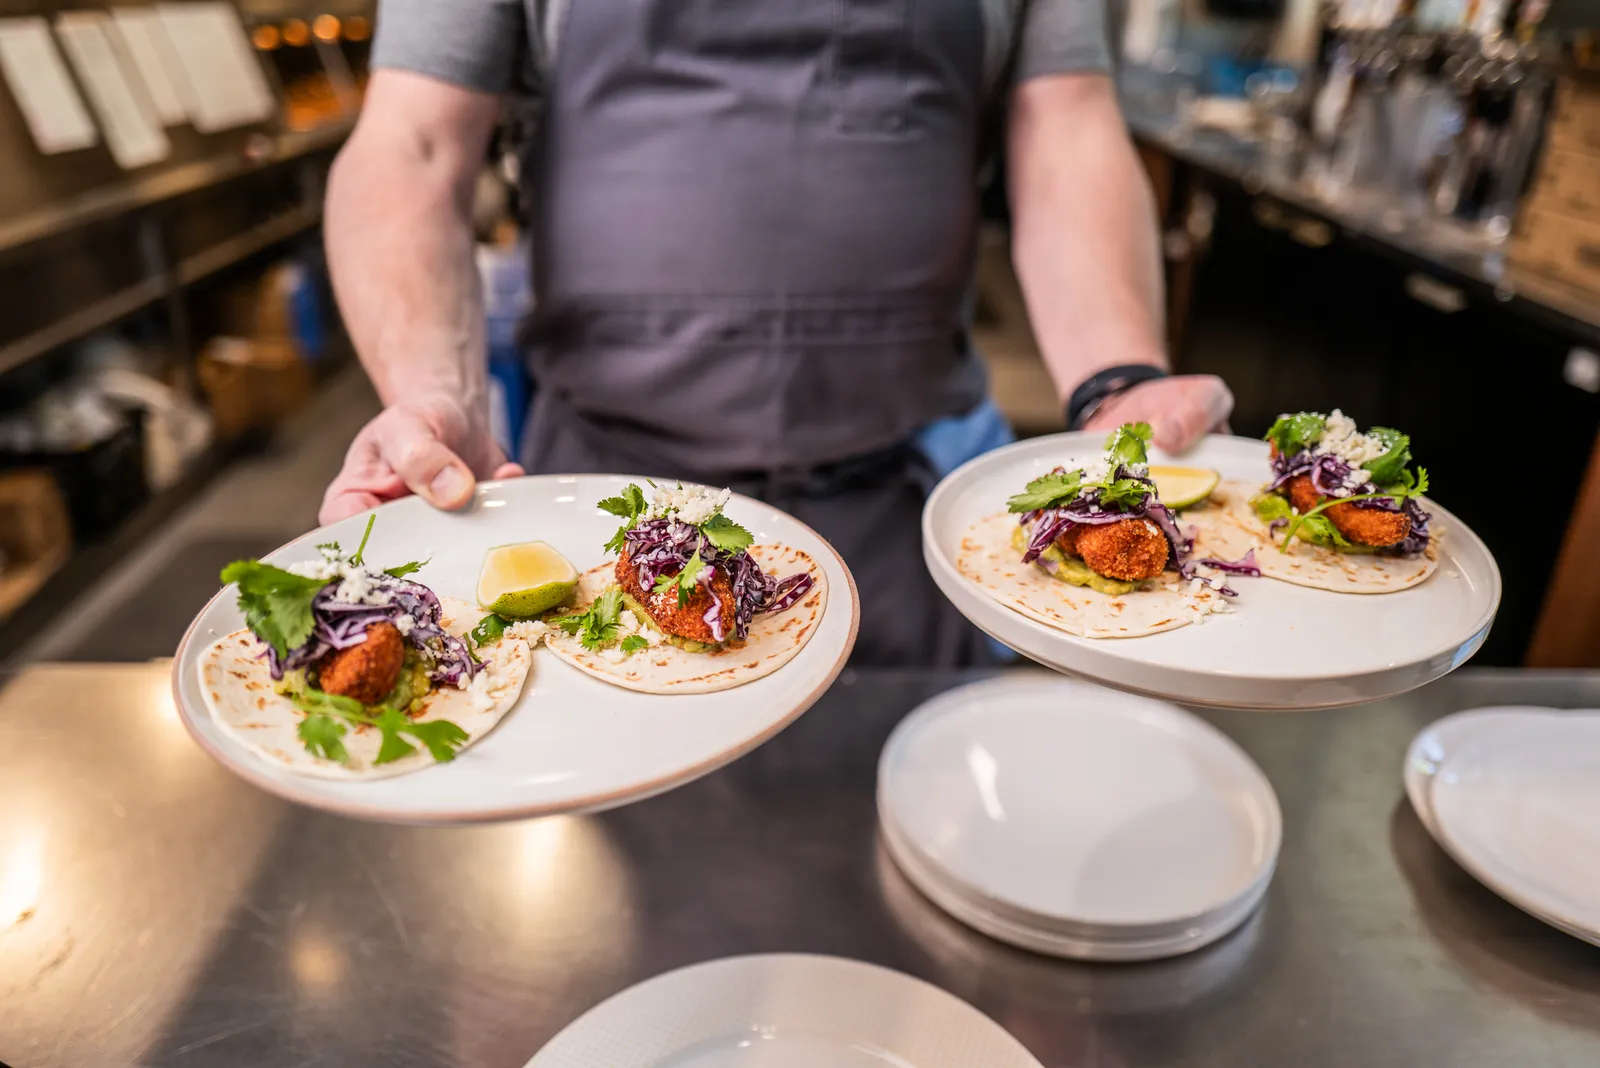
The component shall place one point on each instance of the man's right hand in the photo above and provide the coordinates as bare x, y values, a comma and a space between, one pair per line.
431, 446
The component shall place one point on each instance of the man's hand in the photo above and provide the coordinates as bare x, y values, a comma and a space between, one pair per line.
431, 446
1180, 410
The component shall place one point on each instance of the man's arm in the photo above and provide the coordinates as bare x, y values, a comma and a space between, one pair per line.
1086, 249
400, 249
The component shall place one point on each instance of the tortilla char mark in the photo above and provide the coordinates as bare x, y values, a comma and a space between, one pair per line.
687, 620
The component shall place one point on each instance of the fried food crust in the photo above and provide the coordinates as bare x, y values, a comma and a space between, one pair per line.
686, 621
1129, 550
366, 672
1364, 526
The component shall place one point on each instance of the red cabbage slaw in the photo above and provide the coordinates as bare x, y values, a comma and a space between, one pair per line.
1332, 477
341, 624
661, 546
1245, 565
1045, 525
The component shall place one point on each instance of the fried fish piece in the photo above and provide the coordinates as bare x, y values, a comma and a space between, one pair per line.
1129, 550
1364, 526
687, 620
366, 672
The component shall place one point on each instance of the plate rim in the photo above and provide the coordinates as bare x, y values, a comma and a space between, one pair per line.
593, 803
1082, 654
1020, 1052
1464, 857
1185, 720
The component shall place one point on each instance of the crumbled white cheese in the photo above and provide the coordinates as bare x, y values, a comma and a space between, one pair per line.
691, 504
1096, 471
1138, 470
358, 584
317, 569
1340, 438
613, 655
532, 631
628, 622
478, 688
1196, 584
404, 624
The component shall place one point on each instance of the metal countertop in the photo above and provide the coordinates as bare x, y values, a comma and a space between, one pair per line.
154, 910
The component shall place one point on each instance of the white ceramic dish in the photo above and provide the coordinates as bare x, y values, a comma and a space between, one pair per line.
1283, 646
1066, 805
783, 1011
572, 743
1512, 793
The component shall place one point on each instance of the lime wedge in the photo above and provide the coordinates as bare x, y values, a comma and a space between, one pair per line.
1179, 487
525, 580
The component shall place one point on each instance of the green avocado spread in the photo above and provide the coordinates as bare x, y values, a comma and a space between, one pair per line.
642, 614
1071, 570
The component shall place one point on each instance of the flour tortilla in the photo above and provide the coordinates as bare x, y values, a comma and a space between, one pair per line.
773, 639
238, 690
992, 563
1227, 527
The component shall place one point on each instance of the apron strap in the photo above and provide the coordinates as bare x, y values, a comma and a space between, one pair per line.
1003, 19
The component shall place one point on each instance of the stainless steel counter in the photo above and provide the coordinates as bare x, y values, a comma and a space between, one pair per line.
154, 910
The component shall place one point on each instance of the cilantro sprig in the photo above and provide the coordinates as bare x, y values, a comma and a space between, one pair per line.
634, 642
1292, 433
598, 625
329, 718
1126, 445
1046, 491
630, 506
684, 581
1409, 485
277, 603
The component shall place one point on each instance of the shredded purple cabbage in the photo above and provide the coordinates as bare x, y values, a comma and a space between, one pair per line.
1330, 476
1045, 525
339, 625
1245, 565
663, 546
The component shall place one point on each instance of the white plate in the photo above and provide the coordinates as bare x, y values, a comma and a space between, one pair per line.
1041, 938
1070, 807
1282, 647
1513, 795
783, 1011
572, 743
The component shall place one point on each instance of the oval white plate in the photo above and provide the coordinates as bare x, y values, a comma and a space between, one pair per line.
1079, 809
1513, 795
572, 743
1282, 647
783, 1011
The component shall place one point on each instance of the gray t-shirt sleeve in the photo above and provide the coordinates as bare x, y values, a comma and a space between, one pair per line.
1062, 37
471, 43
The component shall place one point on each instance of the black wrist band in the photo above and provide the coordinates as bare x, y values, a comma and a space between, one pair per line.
1101, 386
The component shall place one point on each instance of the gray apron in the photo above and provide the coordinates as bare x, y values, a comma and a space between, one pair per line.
754, 228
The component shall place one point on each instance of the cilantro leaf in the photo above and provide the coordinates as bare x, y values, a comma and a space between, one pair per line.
725, 534
1388, 467
1292, 433
597, 625
406, 569
323, 737
440, 736
1126, 444
1123, 494
391, 722
684, 581
634, 642
630, 505
276, 603
490, 629
355, 558
1047, 491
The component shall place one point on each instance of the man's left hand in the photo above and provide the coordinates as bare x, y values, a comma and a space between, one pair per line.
1180, 410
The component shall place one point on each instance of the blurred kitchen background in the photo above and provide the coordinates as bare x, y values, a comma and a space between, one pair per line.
1389, 207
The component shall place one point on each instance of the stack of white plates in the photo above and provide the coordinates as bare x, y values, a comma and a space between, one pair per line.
1076, 821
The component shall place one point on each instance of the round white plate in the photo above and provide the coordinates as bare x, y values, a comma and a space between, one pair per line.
783, 1011
1070, 807
1513, 795
1282, 647
1042, 938
572, 743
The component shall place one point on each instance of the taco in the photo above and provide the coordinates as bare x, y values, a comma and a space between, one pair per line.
690, 605
1092, 550
1343, 510
346, 671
